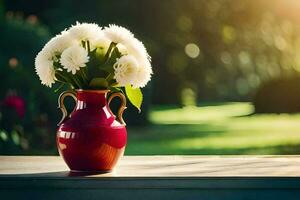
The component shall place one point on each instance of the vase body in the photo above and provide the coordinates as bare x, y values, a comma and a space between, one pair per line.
91, 139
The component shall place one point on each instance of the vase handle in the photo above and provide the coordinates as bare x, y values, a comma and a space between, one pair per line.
61, 105
123, 105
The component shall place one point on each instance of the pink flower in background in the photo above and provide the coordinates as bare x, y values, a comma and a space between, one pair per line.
15, 102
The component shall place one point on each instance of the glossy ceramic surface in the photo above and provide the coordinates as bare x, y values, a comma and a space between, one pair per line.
91, 139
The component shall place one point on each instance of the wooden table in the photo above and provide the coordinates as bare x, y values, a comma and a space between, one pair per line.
154, 177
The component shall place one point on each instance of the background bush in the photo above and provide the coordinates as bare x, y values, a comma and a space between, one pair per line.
278, 96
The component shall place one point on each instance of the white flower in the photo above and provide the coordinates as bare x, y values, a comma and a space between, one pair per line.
126, 69
117, 34
129, 45
44, 67
143, 76
59, 43
138, 50
44, 60
85, 31
73, 58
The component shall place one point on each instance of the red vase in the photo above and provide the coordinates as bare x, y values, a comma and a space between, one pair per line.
90, 138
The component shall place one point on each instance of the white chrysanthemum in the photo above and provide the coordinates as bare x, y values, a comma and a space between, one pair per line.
117, 34
138, 50
59, 43
44, 67
143, 75
126, 69
85, 31
73, 58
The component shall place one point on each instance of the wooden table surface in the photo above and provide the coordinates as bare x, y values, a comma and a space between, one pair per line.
155, 177
161, 166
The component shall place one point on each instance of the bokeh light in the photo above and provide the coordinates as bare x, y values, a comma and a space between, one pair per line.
192, 50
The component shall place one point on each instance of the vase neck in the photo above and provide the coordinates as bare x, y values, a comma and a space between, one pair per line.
91, 98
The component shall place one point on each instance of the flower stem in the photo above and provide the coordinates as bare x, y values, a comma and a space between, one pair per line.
88, 46
83, 44
109, 50
84, 77
66, 78
59, 87
83, 73
77, 81
61, 77
109, 77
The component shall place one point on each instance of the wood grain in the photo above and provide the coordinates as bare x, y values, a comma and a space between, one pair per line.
161, 166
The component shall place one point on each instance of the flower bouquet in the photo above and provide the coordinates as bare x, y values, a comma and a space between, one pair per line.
94, 62
86, 56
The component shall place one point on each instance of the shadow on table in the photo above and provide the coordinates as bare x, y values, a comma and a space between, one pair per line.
57, 174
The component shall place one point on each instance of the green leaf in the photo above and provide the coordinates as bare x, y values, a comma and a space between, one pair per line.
98, 83
92, 66
135, 96
107, 68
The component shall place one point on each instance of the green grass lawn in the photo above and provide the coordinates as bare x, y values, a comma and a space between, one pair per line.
227, 128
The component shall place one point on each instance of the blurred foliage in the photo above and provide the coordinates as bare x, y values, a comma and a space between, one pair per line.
21, 39
217, 50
